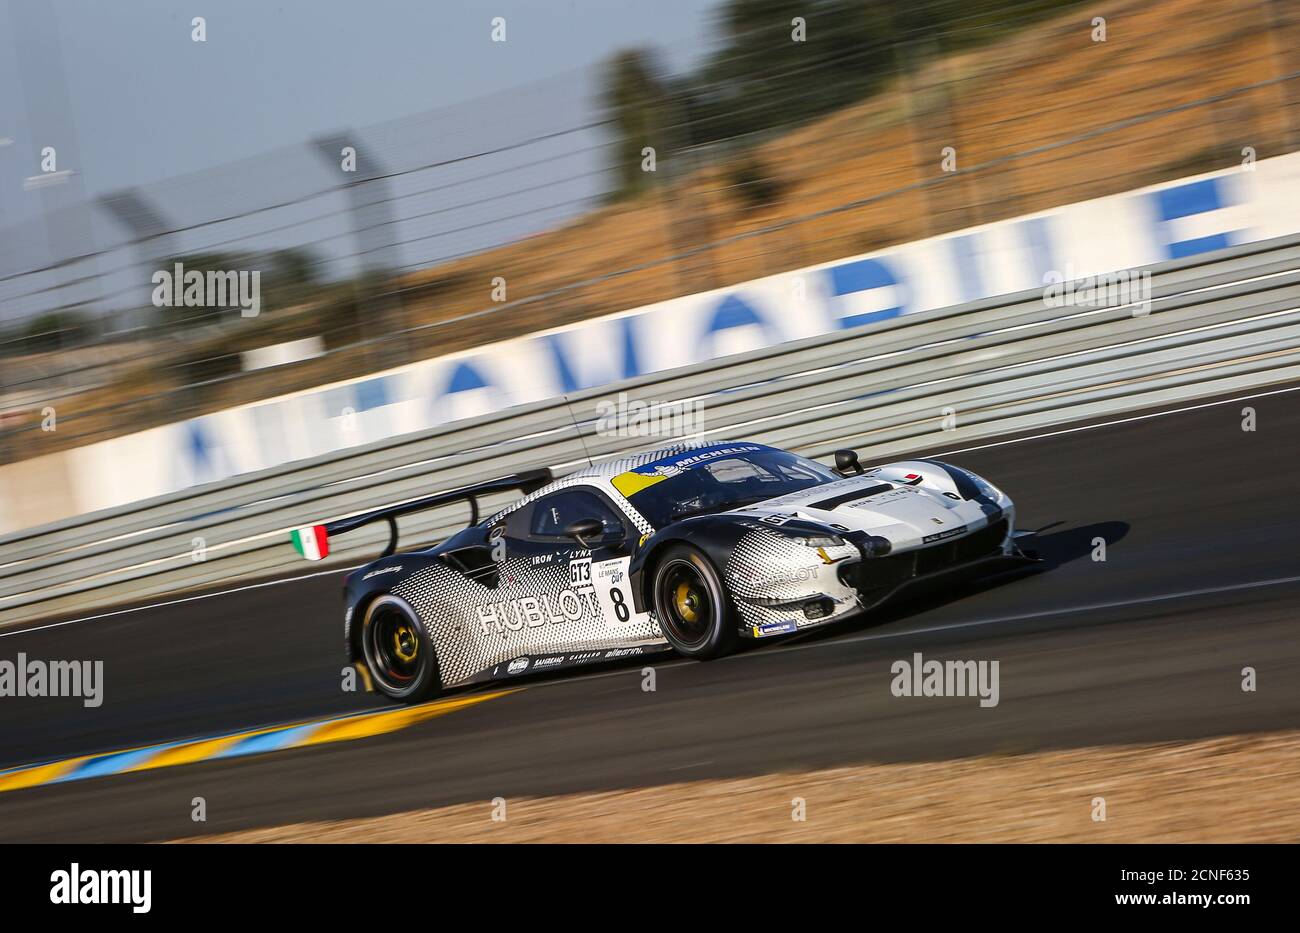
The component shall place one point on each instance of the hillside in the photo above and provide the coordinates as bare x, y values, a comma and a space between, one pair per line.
1179, 86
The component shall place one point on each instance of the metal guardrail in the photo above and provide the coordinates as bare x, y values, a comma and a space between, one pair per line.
1217, 322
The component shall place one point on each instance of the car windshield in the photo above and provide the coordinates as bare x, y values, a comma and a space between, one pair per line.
716, 479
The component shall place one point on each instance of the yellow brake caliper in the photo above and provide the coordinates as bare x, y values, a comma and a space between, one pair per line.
400, 644
685, 599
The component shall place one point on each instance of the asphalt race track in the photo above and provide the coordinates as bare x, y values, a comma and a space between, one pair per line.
1202, 578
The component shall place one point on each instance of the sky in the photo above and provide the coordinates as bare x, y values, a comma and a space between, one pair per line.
128, 98
149, 102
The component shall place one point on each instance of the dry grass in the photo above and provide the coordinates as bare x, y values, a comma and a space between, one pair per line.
1234, 789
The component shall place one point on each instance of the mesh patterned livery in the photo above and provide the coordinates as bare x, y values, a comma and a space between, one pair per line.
688, 548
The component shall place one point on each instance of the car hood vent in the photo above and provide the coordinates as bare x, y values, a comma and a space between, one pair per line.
852, 496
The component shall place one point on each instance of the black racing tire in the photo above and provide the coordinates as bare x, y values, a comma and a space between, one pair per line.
398, 651
692, 605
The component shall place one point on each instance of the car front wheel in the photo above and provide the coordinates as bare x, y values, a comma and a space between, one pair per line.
692, 605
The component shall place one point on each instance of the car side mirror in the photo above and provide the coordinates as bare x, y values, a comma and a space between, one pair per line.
589, 531
846, 463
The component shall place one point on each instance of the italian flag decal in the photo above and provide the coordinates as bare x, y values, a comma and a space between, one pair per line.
312, 542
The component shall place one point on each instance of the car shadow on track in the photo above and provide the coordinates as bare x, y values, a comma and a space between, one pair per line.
1071, 544
1054, 549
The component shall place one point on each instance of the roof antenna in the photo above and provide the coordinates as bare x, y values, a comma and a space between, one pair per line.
578, 429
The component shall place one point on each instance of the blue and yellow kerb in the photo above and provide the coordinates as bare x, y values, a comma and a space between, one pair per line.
234, 745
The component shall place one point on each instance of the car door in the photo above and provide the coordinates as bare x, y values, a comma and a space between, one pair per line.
588, 613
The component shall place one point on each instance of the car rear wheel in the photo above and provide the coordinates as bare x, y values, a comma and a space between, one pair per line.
692, 605
398, 650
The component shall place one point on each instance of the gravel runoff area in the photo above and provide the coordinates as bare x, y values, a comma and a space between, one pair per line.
1243, 788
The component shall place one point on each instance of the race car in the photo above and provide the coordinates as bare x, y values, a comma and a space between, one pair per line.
689, 548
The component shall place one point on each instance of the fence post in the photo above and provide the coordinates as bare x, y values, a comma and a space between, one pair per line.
690, 225
366, 184
905, 64
151, 240
1281, 23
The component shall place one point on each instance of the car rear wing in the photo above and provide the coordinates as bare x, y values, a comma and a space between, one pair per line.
312, 542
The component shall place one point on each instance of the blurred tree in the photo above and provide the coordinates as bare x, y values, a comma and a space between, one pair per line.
763, 77
177, 314
287, 277
50, 330
294, 266
290, 277
637, 98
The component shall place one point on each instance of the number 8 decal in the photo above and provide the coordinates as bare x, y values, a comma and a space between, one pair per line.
614, 588
621, 612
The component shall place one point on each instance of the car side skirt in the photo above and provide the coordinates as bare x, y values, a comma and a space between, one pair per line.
532, 664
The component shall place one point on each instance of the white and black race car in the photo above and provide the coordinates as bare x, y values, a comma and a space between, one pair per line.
687, 548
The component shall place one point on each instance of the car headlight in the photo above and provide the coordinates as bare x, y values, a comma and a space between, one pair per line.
821, 541
986, 488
